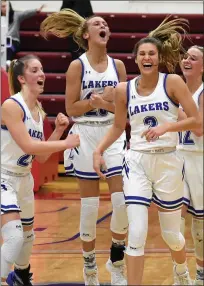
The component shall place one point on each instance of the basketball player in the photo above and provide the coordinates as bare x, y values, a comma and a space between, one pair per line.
191, 149
152, 168
21, 142
92, 111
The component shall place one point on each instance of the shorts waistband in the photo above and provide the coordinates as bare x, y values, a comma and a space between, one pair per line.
6, 172
158, 150
96, 123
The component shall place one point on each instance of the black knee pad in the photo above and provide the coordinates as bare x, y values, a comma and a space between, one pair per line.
117, 252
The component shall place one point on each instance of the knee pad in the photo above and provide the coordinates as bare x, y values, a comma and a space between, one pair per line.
12, 235
170, 223
138, 226
22, 261
88, 218
197, 234
119, 219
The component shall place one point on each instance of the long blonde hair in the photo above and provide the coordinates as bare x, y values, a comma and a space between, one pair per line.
16, 68
65, 23
168, 39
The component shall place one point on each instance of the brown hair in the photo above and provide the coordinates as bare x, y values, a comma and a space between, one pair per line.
168, 40
65, 23
16, 68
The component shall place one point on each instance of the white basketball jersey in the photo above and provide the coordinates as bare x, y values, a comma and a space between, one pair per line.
149, 111
13, 158
93, 81
188, 141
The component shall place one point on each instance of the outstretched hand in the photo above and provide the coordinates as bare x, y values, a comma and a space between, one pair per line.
99, 164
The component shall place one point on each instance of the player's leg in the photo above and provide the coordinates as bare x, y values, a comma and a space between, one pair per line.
119, 227
114, 157
194, 198
168, 196
26, 200
89, 191
11, 226
138, 194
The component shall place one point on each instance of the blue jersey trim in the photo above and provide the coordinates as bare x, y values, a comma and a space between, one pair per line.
24, 116
82, 65
128, 93
164, 85
115, 68
202, 91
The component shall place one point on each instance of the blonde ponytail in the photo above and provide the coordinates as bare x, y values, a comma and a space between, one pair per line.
65, 23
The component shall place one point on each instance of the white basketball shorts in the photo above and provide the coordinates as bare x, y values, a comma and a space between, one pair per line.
79, 161
17, 195
153, 177
193, 182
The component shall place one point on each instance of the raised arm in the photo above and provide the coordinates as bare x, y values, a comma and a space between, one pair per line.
12, 117
75, 106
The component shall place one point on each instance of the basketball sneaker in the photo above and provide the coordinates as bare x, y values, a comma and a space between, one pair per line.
117, 270
182, 279
199, 280
91, 277
20, 277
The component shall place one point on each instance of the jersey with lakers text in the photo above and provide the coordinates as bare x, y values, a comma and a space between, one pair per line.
93, 81
188, 141
13, 158
150, 111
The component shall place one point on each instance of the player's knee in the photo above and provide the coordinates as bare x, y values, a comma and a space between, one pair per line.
137, 231
119, 219
174, 240
29, 236
12, 235
136, 240
88, 218
197, 234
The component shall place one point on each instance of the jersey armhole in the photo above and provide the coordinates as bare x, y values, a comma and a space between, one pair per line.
82, 65
202, 92
128, 93
24, 114
115, 68
164, 85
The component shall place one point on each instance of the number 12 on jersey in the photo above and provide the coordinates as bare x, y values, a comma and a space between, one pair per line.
185, 138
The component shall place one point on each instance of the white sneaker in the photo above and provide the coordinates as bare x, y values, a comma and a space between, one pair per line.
117, 272
199, 282
91, 277
182, 279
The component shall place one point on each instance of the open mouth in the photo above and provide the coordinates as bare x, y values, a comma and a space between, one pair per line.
40, 82
187, 67
147, 65
102, 34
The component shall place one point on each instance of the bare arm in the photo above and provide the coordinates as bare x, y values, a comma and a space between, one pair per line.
178, 90
12, 116
115, 131
182, 94
75, 106
182, 115
107, 100
61, 123
119, 121
199, 132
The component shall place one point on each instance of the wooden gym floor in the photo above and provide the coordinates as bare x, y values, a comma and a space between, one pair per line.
56, 257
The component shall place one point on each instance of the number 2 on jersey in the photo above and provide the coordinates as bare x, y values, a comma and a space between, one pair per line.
25, 160
186, 139
151, 121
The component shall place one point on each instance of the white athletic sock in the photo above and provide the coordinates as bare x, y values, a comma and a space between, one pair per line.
181, 268
89, 260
